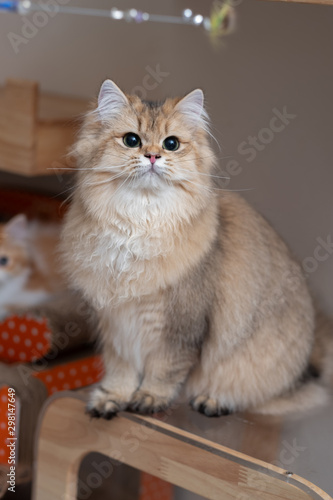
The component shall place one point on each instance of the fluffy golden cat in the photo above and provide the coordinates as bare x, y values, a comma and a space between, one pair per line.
196, 294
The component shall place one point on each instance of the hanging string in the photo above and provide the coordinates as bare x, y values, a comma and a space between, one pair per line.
217, 25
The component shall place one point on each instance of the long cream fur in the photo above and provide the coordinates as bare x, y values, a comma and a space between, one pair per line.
195, 292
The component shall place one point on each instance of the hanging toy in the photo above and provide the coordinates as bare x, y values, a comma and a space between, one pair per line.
222, 20
219, 24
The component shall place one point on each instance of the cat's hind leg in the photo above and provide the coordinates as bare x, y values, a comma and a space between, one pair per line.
209, 406
252, 375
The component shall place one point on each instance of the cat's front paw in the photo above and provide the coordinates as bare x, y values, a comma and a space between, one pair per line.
209, 407
105, 404
144, 402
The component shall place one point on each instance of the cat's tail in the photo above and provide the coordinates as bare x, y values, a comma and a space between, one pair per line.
316, 386
309, 396
322, 353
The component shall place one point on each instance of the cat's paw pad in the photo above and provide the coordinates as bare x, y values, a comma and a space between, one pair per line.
104, 404
108, 412
144, 402
209, 407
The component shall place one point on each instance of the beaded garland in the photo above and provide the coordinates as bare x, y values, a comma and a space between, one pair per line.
217, 25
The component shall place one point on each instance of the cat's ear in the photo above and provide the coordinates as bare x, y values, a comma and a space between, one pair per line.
192, 107
17, 228
111, 100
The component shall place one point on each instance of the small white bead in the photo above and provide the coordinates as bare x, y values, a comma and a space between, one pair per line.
133, 13
198, 19
207, 24
187, 13
117, 14
24, 7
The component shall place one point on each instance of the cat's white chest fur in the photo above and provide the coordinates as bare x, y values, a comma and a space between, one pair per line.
125, 249
124, 259
135, 251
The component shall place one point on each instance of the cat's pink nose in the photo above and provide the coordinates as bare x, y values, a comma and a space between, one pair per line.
152, 158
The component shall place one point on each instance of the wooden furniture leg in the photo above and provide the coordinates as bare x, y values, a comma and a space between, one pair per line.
31, 394
67, 434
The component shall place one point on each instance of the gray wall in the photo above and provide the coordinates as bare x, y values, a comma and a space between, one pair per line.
280, 56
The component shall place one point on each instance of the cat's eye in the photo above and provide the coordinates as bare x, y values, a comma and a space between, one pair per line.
132, 140
171, 143
3, 261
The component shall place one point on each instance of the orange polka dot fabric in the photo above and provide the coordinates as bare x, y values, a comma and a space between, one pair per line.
72, 375
153, 488
24, 338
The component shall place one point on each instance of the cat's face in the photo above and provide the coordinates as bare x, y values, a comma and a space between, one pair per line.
130, 149
14, 257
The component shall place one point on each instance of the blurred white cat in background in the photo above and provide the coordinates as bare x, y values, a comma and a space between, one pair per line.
29, 269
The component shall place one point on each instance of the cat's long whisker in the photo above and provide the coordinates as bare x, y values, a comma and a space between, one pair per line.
91, 169
210, 133
103, 168
133, 177
113, 194
234, 190
66, 199
105, 181
214, 188
201, 186
202, 173
205, 158
71, 188
109, 177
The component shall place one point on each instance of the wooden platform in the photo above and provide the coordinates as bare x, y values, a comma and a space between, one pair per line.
240, 457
